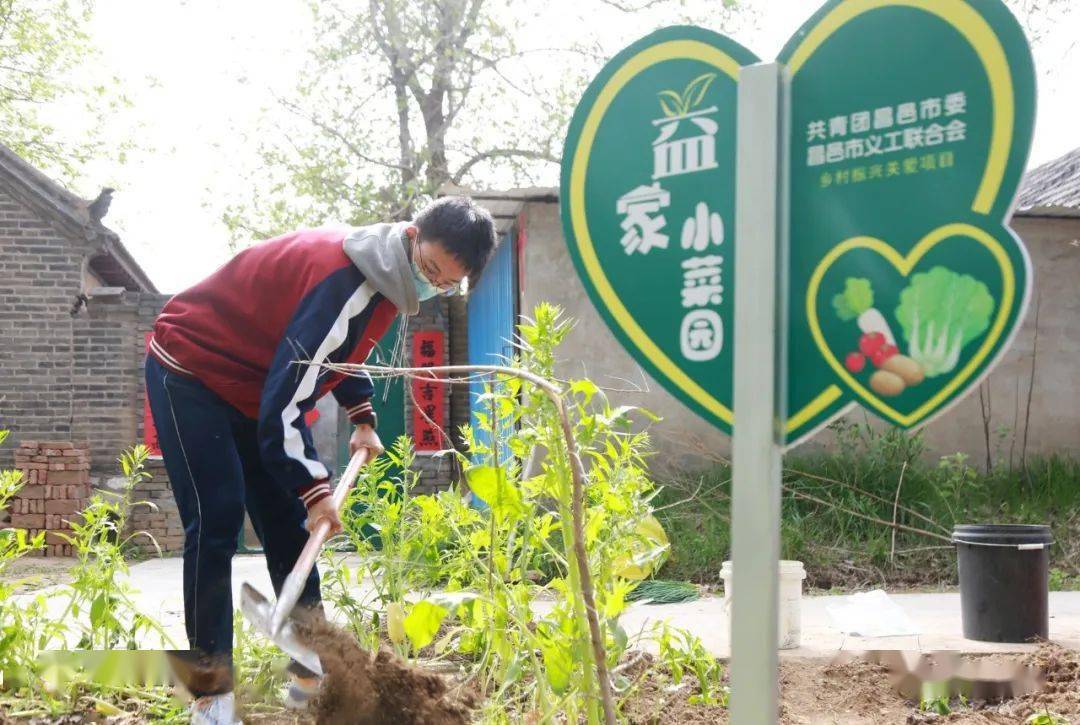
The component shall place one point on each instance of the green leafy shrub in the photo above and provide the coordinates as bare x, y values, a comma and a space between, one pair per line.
498, 588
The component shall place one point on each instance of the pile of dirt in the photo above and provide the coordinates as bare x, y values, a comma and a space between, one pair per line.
853, 693
811, 692
361, 687
1060, 696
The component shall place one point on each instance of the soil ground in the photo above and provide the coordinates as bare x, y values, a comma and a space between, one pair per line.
37, 572
363, 689
379, 688
817, 692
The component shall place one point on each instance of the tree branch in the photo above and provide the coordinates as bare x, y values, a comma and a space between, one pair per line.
398, 53
333, 132
577, 480
626, 8
502, 154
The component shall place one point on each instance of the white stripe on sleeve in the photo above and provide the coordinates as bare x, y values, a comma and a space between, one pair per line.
292, 442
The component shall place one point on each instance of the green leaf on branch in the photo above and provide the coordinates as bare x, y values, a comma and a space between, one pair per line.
558, 665
423, 623
97, 610
586, 387
491, 485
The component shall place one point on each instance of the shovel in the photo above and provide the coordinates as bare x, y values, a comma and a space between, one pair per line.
273, 619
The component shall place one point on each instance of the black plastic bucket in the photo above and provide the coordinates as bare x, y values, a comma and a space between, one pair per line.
1004, 588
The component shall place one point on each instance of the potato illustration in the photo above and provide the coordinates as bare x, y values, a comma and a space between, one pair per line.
909, 370
886, 383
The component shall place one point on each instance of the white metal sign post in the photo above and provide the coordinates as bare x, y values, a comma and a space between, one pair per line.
758, 402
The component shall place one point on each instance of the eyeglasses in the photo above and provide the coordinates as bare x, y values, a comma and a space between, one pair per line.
447, 288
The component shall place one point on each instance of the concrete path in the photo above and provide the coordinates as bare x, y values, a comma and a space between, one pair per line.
936, 615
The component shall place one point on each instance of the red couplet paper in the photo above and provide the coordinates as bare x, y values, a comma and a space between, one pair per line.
429, 419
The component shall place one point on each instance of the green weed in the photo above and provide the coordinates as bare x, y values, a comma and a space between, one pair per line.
99, 598
684, 654
98, 609
22, 626
258, 667
869, 473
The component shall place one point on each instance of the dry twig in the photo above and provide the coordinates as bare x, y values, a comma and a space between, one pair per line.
896, 506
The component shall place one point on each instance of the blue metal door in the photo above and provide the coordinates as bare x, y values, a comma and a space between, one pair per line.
492, 316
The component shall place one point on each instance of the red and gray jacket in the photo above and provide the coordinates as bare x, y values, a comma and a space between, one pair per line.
313, 295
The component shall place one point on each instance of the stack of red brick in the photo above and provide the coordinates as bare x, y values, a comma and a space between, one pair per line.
56, 478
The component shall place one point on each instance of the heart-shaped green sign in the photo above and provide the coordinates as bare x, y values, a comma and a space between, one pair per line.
910, 123
909, 131
648, 207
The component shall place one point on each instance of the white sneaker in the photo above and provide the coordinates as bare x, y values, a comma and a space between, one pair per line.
301, 692
214, 710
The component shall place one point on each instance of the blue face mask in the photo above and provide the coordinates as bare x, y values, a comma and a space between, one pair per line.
425, 290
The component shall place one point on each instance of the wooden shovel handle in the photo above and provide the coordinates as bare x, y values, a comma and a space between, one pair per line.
294, 584
318, 535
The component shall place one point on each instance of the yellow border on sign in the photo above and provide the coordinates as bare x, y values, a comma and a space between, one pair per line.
809, 411
905, 263
978, 33
669, 50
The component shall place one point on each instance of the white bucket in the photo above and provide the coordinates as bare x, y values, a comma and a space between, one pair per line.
789, 624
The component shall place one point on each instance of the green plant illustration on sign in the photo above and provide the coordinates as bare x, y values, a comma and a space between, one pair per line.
939, 313
648, 200
680, 104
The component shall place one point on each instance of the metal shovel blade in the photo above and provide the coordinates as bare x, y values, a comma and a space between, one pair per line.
259, 611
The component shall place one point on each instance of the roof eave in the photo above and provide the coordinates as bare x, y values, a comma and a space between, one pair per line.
1057, 212
114, 248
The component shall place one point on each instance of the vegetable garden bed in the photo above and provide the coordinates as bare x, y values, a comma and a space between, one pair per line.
568, 519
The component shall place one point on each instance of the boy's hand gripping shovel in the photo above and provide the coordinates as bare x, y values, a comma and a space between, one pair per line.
273, 619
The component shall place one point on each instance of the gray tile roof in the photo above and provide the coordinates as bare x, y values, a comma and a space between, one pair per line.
112, 260
504, 204
1052, 189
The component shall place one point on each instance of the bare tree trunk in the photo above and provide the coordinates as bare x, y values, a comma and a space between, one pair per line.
984, 408
1031, 388
1016, 423
407, 152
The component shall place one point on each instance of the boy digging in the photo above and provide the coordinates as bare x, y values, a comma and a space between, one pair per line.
229, 403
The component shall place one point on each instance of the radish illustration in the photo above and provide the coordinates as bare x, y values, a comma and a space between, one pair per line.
893, 373
856, 302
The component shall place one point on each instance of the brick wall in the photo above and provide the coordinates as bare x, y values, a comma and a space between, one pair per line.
56, 476
40, 275
109, 405
104, 394
66, 376
162, 520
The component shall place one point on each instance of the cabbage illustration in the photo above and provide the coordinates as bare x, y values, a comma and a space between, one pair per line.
940, 312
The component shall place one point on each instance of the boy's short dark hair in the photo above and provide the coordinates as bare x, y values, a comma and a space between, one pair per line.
464, 228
